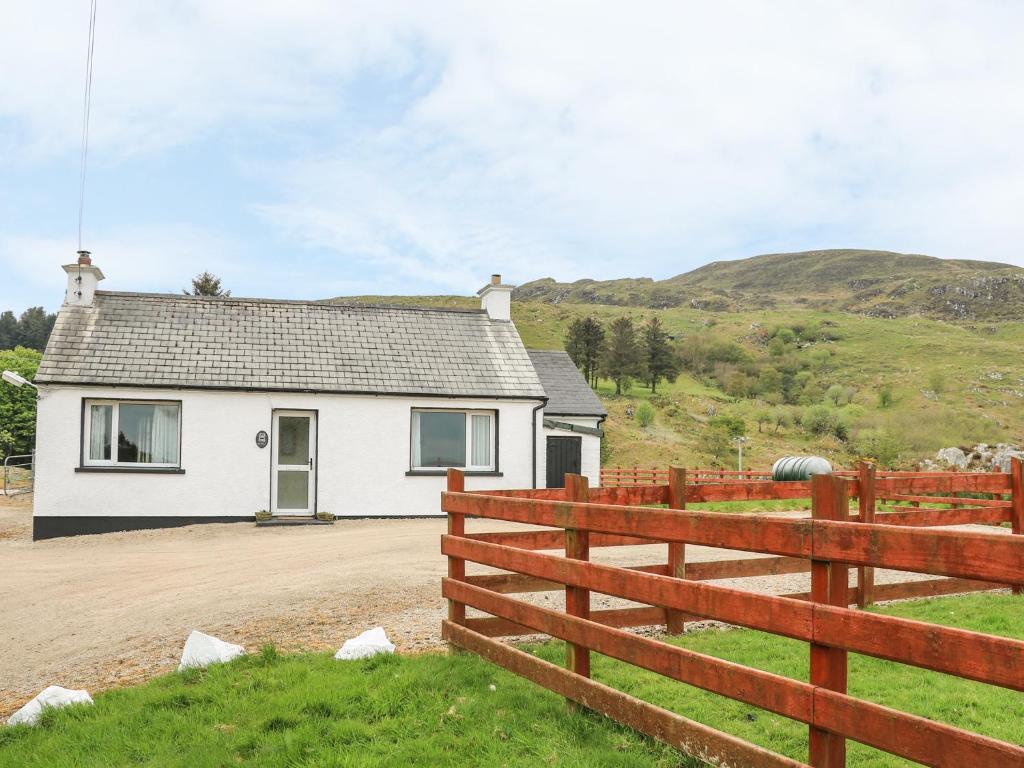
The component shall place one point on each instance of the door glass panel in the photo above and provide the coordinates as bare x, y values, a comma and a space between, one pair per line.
293, 440
292, 489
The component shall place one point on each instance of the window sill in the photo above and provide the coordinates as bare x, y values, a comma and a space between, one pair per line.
443, 472
134, 470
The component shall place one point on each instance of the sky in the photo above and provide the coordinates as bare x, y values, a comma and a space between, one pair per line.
316, 149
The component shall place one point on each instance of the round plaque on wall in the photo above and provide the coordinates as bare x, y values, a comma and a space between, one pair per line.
262, 439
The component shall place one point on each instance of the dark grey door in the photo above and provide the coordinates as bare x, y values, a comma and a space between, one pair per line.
564, 455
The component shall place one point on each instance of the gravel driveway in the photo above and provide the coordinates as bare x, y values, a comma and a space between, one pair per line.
102, 611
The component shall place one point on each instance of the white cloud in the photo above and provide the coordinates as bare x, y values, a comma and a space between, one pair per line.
565, 138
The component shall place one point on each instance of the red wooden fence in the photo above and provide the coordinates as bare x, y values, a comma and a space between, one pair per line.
636, 475
828, 544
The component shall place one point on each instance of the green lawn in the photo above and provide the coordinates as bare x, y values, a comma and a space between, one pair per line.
431, 710
757, 506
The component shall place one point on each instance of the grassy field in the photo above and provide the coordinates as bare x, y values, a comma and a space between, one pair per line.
436, 710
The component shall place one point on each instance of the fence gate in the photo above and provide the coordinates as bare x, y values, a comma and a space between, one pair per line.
17, 475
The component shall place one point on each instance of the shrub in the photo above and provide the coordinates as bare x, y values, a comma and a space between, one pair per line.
18, 406
762, 417
880, 445
937, 382
782, 419
732, 425
820, 357
718, 446
884, 396
834, 394
785, 335
645, 415
822, 420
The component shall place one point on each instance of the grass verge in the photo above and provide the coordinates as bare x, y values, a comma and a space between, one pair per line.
309, 710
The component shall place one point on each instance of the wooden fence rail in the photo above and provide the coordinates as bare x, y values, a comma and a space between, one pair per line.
673, 591
636, 475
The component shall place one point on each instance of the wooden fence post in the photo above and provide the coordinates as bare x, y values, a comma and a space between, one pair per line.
1017, 502
456, 565
676, 550
866, 503
577, 599
829, 584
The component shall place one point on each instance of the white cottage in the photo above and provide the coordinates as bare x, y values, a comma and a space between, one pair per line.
160, 409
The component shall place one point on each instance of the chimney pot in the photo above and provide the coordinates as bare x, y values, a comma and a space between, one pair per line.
495, 279
84, 258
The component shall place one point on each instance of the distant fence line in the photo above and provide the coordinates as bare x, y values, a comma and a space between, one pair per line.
638, 475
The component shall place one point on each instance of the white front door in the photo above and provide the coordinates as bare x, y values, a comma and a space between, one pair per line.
293, 469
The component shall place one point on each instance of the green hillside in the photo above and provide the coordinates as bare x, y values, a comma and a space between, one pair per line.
875, 283
950, 384
897, 386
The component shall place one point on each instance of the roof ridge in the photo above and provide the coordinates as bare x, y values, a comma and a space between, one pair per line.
326, 303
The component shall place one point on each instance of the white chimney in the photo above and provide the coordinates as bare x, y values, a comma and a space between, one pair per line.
82, 280
496, 299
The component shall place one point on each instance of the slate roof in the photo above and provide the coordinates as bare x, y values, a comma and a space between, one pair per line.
151, 340
567, 390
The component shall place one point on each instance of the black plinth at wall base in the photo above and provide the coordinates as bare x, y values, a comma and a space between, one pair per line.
54, 527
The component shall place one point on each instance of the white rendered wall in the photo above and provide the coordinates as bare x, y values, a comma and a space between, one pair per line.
363, 455
590, 448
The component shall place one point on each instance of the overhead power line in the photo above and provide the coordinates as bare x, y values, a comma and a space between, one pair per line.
86, 106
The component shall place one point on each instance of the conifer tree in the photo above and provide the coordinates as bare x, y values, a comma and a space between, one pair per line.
206, 284
660, 360
622, 361
584, 342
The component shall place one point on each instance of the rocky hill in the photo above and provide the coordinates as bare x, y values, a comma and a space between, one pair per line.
874, 283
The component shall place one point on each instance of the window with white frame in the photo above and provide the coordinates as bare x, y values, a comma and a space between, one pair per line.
132, 433
447, 438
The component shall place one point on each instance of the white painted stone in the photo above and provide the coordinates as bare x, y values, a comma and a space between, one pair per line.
201, 650
369, 643
54, 697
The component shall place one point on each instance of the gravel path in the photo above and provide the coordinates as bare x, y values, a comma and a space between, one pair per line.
103, 611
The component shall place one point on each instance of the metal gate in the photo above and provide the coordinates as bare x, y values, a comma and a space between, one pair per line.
18, 475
